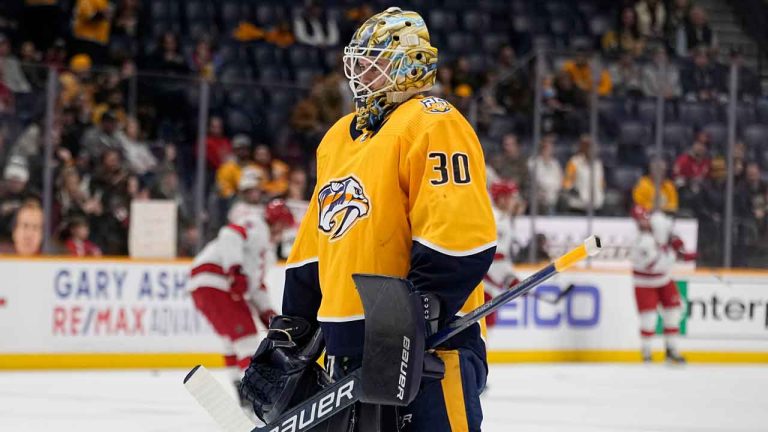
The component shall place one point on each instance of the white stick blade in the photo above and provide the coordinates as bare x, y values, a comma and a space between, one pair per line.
593, 246
214, 399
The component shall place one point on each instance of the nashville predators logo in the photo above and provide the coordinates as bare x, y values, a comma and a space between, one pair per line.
341, 203
435, 105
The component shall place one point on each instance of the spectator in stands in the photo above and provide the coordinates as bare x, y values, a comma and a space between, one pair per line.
14, 191
700, 80
510, 163
100, 137
218, 147
749, 82
280, 35
126, 29
547, 173
228, 174
297, 187
7, 101
306, 129
248, 205
626, 38
698, 33
27, 228
565, 102
651, 18
661, 76
168, 58
513, 90
56, 56
313, 28
463, 78
168, 187
188, 239
114, 102
627, 77
584, 178
91, 26
76, 82
75, 235
73, 197
10, 68
488, 101
31, 58
140, 159
692, 167
677, 22
275, 181
116, 187
751, 197
711, 204
580, 71
644, 192
71, 130
204, 61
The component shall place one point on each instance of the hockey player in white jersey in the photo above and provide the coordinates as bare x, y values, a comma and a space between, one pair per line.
227, 282
501, 275
248, 208
653, 257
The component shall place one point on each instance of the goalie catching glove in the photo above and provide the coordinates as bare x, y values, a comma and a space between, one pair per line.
284, 370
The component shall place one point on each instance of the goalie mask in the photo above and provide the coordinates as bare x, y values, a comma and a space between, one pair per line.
388, 60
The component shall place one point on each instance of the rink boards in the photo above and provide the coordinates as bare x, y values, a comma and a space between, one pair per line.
68, 313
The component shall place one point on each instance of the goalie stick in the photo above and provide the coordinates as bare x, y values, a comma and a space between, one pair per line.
564, 293
346, 391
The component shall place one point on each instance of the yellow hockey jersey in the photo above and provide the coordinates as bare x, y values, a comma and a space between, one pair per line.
408, 201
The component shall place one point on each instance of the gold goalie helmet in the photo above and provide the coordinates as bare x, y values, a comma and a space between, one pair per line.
388, 60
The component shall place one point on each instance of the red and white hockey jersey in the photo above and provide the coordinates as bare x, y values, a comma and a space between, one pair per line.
651, 262
502, 272
245, 214
236, 245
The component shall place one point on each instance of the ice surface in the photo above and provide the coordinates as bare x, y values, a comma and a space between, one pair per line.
527, 398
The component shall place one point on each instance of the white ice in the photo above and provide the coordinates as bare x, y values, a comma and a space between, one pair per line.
520, 398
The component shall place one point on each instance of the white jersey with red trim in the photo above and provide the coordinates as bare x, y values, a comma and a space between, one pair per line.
245, 214
236, 245
502, 271
651, 262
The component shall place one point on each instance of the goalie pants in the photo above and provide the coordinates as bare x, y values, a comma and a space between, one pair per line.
231, 318
453, 403
448, 405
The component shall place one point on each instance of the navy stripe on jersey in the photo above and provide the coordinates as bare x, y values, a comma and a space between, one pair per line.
451, 278
302, 295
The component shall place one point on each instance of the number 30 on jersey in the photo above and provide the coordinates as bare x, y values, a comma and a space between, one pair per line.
454, 169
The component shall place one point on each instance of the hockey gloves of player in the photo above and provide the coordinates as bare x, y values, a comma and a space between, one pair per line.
238, 281
266, 316
678, 246
284, 371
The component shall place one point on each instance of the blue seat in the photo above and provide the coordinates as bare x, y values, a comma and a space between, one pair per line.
634, 133
677, 136
598, 25
718, 135
198, 10
695, 114
756, 136
624, 178
476, 21
238, 122
441, 20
